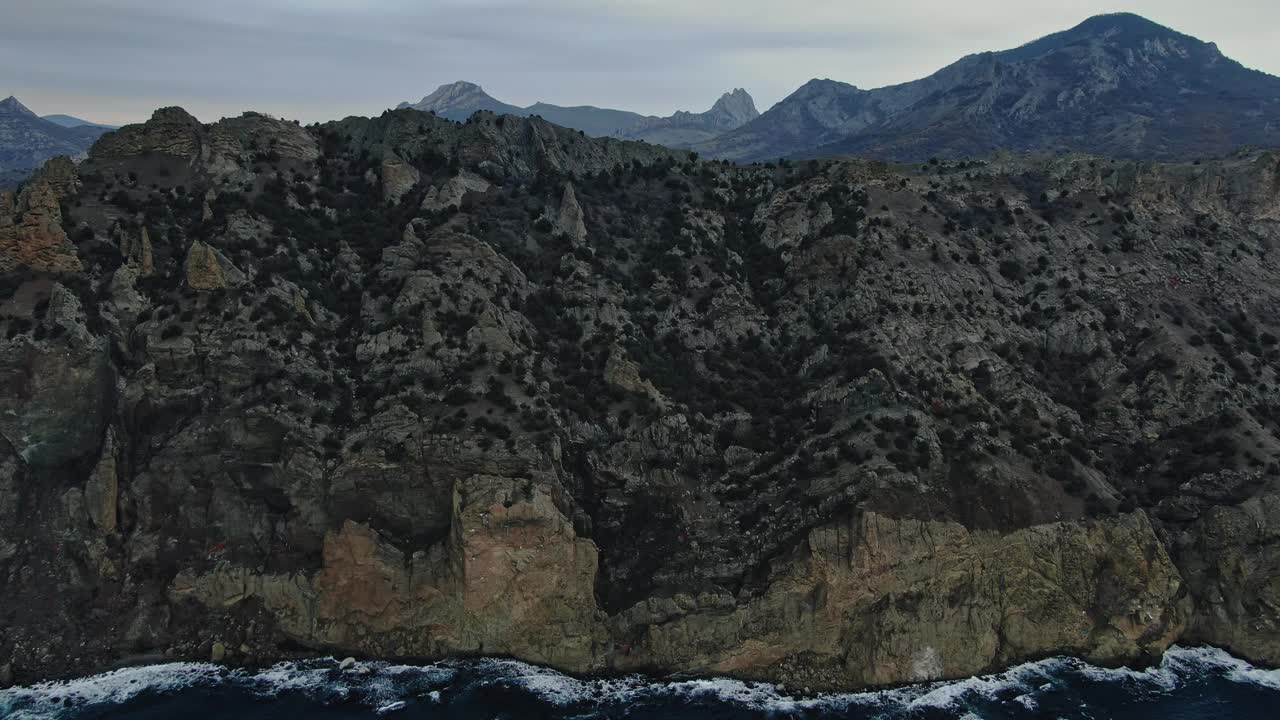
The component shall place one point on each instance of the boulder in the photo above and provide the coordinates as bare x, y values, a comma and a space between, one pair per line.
208, 269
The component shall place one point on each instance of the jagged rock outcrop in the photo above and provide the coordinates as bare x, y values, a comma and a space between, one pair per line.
569, 221
171, 131
398, 178
451, 192
31, 232
136, 249
609, 408
208, 269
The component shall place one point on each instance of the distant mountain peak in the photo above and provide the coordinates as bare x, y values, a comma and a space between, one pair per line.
734, 109
12, 105
1122, 30
1122, 20
456, 94
458, 100
737, 106
29, 140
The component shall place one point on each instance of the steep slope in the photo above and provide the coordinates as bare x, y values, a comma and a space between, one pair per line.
1116, 84
27, 140
683, 129
406, 387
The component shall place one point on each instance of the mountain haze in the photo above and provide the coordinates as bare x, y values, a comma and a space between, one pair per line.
684, 129
28, 140
1115, 84
70, 121
457, 101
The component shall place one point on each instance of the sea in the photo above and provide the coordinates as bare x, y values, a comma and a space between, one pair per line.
1189, 682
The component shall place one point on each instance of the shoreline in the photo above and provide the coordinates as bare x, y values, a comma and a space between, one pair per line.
363, 664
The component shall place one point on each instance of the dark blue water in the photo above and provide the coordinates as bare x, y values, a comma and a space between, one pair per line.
1189, 683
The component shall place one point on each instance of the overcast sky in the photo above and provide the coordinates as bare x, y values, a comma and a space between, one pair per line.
114, 61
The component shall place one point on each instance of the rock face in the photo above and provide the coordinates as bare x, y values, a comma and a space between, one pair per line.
597, 404
170, 132
569, 220
27, 141
878, 600
1117, 85
31, 232
450, 193
137, 250
510, 577
1232, 562
59, 390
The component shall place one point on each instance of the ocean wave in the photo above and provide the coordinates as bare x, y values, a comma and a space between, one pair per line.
386, 688
56, 698
1234, 668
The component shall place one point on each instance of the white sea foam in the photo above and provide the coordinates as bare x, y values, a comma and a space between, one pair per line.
391, 707
1024, 678
563, 690
387, 688
378, 685
1234, 668
50, 699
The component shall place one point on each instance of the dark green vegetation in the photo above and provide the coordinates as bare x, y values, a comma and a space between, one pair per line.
711, 360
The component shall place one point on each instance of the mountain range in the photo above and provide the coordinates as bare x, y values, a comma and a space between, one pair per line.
457, 101
1117, 84
28, 140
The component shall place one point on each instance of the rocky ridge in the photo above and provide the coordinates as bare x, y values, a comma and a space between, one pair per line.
406, 387
1117, 85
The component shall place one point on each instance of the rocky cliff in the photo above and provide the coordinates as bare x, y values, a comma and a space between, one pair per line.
405, 387
1117, 85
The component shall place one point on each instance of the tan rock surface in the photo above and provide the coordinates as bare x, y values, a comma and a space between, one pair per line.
31, 233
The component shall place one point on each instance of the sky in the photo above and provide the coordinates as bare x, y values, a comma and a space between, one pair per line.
114, 61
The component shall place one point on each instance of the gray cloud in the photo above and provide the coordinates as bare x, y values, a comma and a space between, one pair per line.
116, 60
